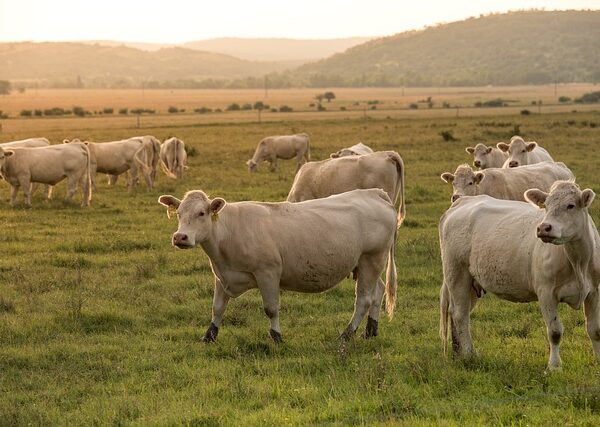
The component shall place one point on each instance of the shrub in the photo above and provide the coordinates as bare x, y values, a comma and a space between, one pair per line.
203, 110
190, 151
589, 98
525, 112
108, 110
413, 106
445, 104
342, 108
274, 110
25, 113
123, 111
285, 109
79, 111
233, 107
320, 108
38, 113
173, 109
247, 107
448, 135
312, 104
564, 99
3, 115
494, 103
373, 107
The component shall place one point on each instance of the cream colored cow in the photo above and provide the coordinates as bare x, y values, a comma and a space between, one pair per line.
26, 143
521, 153
305, 247
173, 157
521, 253
356, 150
284, 147
485, 157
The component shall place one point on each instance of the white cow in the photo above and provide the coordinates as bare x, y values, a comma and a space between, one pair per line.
306, 247
26, 143
21, 167
356, 150
509, 184
117, 157
485, 157
521, 253
281, 147
173, 157
383, 169
151, 157
521, 153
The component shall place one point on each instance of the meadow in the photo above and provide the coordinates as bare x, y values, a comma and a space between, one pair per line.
101, 318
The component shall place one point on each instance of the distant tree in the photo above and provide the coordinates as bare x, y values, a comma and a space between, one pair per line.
319, 97
563, 99
173, 109
329, 96
4, 87
233, 107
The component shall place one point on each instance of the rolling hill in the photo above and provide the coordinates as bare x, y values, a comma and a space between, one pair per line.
529, 47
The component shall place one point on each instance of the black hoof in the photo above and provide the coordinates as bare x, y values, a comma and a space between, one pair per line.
275, 336
371, 329
211, 333
347, 334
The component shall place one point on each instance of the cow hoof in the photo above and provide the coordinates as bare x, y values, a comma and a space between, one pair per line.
371, 329
347, 334
211, 333
275, 336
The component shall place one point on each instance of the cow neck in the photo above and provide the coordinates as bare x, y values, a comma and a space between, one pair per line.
218, 233
581, 255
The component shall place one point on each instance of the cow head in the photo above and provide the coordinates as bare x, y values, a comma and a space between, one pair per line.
344, 152
517, 151
480, 155
566, 211
252, 165
4, 154
197, 215
464, 181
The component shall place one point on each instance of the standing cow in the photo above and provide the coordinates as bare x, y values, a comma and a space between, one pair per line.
26, 143
306, 247
521, 153
509, 184
485, 157
281, 147
356, 150
547, 252
173, 157
21, 167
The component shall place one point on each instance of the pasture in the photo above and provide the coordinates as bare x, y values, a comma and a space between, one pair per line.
101, 318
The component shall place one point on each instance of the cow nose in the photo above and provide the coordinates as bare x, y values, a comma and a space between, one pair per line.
544, 229
477, 163
179, 238
455, 197
513, 164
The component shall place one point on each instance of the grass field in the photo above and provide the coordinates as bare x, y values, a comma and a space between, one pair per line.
101, 318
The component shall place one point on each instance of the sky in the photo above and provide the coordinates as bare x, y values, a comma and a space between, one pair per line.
178, 21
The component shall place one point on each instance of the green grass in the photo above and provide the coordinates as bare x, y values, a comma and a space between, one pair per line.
101, 318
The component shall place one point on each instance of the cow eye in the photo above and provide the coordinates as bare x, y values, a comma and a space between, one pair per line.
523, 151
570, 206
470, 183
201, 214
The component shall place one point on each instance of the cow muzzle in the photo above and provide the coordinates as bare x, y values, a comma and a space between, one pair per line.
544, 233
513, 164
477, 163
455, 197
182, 241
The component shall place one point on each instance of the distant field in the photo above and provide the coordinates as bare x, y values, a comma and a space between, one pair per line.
101, 318
349, 104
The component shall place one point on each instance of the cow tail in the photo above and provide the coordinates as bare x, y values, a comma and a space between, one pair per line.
166, 170
140, 162
391, 280
395, 157
87, 186
307, 155
444, 304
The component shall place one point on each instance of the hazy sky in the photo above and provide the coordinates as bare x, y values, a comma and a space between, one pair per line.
176, 21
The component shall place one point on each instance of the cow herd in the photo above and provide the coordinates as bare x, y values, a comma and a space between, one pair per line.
518, 227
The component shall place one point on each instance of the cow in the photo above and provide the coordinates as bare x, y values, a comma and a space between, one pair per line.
383, 169
305, 247
26, 143
509, 184
117, 157
485, 157
521, 153
21, 167
151, 156
356, 150
173, 157
281, 147
546, 251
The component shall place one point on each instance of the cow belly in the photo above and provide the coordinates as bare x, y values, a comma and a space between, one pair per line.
48, 176
316, 275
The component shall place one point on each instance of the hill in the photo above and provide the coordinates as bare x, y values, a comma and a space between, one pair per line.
99, 65
529, 47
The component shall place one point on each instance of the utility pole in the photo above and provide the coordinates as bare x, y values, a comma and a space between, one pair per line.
266, 86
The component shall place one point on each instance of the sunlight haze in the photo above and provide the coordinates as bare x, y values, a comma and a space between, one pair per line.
179, 21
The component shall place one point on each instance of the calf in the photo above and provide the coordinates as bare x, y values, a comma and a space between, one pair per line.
173, 157
487, 157
521, 153
281, 147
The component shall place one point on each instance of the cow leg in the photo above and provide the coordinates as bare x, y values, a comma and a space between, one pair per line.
112, 179
591, 308
25, 184
372, 320
554, 329
49, 192
220, 301
268, 286
14, 189
149, 182
86, 191
366, 284
72, 182
459, 284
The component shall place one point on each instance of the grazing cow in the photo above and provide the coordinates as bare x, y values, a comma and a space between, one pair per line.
356, 150
509, 184
521, 253
487, 157
521, 153
305, 247
21, 167
26, 143
383, 169
173, 157
117, 157
281, 147
152, 157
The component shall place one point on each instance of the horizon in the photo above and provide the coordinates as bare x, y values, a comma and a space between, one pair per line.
72, 22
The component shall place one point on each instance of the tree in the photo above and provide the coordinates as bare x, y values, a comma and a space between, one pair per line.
329, 96
4, 87
319, 97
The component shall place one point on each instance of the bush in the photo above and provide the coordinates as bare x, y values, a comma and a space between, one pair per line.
173, 109
525, 112
342, 108
589, 98
413, 106
448, 136
203, 110
320, 108
3, 115
494, 103
190, 151
79, 111
57, 111
25, 113
38, 113
108, 110
274, 110
564, 99
285, 109
144, 110
312, 104
123, 111
247, 107
373, 107
233, 107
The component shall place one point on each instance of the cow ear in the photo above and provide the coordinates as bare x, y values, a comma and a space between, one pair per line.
470, 150
531, 146
536, 197
8, 153
447, 177
66, 141
502, 146
249, 162
334, 155
587, 197
171, 202
216, 205
478, 177
488, 150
